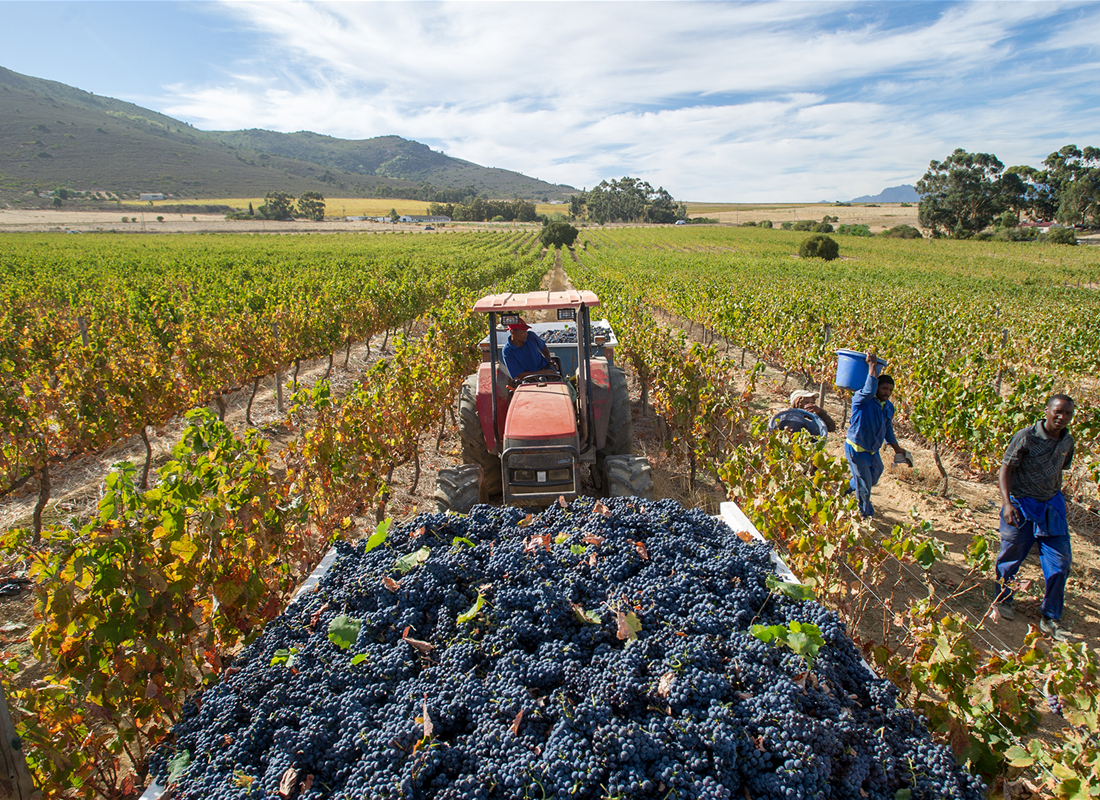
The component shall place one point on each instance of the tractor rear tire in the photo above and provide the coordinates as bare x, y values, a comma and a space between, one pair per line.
620, 433
628, 476
457, 490
470, 432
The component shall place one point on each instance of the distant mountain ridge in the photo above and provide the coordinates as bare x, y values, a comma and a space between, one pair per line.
895, 194
54, 135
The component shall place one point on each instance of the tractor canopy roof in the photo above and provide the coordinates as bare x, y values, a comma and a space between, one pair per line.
533, 301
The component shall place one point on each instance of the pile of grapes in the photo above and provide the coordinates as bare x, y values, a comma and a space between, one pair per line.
569, 335
596, 650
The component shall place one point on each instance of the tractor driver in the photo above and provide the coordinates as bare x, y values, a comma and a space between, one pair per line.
525, 354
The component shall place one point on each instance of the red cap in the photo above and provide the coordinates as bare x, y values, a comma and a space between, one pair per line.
519, 326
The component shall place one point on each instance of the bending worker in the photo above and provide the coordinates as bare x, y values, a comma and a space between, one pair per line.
872, 425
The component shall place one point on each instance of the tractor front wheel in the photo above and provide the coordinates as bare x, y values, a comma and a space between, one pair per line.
458, 489
472, 435
628, 476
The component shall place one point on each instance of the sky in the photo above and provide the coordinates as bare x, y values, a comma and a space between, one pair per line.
791, 101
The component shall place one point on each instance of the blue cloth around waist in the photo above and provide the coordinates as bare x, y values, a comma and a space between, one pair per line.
1048, 517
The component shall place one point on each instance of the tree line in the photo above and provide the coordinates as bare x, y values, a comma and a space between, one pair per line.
479, 209
966, 192
626, 200
282, 206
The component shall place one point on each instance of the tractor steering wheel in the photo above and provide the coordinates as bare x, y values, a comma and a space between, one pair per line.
540, 378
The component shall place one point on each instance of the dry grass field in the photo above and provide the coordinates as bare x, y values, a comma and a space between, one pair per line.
877, 217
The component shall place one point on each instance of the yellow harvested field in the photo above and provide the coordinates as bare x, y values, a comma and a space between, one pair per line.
880, 217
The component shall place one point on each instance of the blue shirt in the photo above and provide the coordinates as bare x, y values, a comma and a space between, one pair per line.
528, 358
797, 419
872, 421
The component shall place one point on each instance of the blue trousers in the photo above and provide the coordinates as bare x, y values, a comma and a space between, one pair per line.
866, 469
1055, 559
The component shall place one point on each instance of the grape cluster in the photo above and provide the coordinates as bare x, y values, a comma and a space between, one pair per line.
569, 335
1054, 702
545, 692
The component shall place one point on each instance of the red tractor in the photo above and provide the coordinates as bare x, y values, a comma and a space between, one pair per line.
526, 439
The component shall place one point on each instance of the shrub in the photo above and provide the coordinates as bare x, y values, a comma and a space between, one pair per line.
902, 232
558, 233
125, 219
1061, 236
819, 246
1008, 220
749, 224
787, 226
766, 223
854, 230
823, 227
160, 219
828, 218
1015, 234
498, 218
804, 225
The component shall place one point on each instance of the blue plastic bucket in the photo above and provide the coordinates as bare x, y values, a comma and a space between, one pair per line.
851, 369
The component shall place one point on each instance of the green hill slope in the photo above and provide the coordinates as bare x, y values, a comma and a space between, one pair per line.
53, 135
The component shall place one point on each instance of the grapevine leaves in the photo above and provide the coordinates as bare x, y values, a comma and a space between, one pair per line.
343, 630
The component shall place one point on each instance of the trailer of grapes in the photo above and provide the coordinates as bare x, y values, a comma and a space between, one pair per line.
620, 648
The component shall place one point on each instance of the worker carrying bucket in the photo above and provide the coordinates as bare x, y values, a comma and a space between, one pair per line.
872, 423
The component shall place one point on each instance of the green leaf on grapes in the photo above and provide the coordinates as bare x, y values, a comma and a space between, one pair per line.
462, 540
381, 533
358, 658
586, 617
466, 616
795, 591
284, 657
178, 764
343, 630
414, 559
628, 625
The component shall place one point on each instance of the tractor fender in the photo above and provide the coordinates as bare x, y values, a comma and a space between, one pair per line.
485, 403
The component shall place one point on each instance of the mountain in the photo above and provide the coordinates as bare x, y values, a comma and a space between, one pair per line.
53, 135
895, 194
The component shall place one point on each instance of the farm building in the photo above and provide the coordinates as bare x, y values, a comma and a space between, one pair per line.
149, 196
422, 218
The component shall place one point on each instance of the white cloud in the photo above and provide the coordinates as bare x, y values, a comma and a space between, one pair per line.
756, 101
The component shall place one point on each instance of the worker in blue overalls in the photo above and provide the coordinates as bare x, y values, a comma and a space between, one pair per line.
872, 425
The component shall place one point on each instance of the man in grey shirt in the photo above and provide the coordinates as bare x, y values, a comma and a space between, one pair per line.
1034, 510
